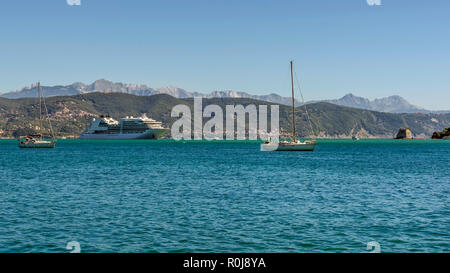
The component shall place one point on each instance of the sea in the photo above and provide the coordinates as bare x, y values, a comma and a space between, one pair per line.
225, 196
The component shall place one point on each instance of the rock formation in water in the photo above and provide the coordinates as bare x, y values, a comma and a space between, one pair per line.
442, 135
404, 133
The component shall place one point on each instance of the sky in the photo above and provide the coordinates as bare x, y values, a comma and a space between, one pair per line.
400, 47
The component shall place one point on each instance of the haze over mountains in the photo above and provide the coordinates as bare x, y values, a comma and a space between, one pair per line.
392, 104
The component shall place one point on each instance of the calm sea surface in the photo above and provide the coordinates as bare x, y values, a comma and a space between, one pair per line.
166, 196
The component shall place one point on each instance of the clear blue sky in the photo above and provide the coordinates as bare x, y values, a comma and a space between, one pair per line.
401, 47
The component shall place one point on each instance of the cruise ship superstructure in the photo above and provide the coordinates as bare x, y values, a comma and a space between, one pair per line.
106, 127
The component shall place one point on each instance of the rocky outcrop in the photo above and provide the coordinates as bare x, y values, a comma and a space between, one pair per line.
442, 135
404, 133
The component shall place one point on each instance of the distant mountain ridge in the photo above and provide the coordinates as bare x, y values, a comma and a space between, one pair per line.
106, 86
392, 104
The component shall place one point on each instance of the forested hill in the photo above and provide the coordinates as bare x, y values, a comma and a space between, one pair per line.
70, 115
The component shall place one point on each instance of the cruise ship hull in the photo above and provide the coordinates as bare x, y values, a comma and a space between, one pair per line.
149, 134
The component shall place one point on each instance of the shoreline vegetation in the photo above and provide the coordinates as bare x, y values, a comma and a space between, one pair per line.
445, 134
71, 115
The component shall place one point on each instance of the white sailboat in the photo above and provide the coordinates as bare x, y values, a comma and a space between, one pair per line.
292, 143
37, 140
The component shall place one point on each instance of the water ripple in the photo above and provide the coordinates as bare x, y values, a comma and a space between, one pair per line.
162, 196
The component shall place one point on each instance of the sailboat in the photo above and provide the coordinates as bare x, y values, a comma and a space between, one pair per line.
37, 140
292, 143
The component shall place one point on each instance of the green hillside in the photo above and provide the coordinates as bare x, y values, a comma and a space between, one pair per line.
71, 115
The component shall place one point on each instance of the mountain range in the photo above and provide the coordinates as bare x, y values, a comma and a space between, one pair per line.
392, 104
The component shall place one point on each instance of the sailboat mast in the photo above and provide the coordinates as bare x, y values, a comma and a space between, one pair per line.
293, 101
40, 106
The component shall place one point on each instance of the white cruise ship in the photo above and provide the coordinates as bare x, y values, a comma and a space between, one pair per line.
106, 127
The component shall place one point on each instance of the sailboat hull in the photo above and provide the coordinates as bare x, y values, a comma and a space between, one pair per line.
38, 144
307, 147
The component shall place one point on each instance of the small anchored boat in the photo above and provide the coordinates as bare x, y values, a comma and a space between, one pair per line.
292, 143
37, 140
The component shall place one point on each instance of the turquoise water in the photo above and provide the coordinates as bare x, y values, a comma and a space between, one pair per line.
165, 196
